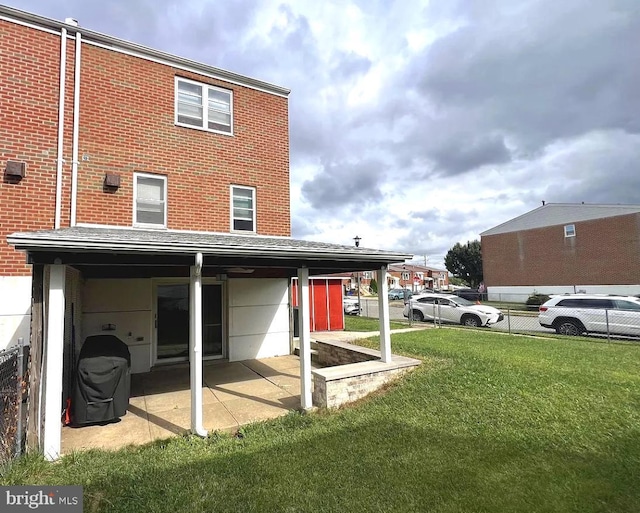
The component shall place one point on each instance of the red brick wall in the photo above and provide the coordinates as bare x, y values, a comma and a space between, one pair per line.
603, 252
126, 126
29, 75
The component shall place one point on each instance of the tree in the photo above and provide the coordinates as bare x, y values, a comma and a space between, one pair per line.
465, 262
373, 285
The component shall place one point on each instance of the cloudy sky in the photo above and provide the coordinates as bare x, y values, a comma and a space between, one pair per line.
418, 124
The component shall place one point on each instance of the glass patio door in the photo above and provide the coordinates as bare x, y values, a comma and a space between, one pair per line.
172, 322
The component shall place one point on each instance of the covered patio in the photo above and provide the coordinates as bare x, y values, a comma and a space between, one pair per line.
233, 394
95, 279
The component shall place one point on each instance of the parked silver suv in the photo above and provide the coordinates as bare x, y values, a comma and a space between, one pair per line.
575, 314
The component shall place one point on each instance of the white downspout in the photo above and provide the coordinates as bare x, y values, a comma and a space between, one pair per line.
195, 346
76, 128
60, 160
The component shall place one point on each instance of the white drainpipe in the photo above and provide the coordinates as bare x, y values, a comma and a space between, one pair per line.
60, 160
195, 346
76, 127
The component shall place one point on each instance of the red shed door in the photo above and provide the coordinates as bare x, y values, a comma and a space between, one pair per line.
320, 304
336, 309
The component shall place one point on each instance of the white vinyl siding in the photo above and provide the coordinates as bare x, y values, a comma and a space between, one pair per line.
243, 209
150, 200
204, 106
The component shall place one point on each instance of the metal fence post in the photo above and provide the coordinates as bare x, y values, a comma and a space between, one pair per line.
606, 316
19, 371
509, 319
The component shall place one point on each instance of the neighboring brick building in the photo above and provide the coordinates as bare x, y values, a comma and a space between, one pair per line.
150, 194
559, 248
415, 277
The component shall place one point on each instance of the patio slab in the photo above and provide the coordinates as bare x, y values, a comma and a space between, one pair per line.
234, 393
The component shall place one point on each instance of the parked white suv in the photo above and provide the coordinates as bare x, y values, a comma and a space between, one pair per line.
575, 314
450, 308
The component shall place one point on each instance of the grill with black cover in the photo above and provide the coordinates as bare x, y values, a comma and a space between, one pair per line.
103, 380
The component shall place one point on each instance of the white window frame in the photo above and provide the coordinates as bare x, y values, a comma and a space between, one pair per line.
205, 110
163, 178
569, 230
253, 199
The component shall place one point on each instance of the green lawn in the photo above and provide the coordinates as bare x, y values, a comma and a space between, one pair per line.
489, 423
356, 323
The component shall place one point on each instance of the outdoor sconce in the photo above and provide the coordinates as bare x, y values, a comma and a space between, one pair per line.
111, 182
15, 171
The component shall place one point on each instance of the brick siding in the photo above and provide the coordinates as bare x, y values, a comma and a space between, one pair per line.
126, 126
603, 252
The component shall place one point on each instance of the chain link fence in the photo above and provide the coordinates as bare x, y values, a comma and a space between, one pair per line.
13, 388
600, 316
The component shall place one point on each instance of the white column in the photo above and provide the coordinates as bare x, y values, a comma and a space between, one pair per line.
304, 321
54, 354
195, 345
383, 315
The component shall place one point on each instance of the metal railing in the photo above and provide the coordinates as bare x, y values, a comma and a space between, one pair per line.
521, 315
13, 393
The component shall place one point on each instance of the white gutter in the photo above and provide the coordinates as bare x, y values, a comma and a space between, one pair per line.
76, 127
195, 346
60, 160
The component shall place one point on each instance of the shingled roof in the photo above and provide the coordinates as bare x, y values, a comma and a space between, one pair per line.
150, 242
552, 214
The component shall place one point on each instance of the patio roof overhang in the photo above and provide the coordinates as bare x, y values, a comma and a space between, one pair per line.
108, 251
113, 252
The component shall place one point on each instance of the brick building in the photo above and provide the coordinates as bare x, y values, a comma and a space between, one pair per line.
560, 248
146, 196
415, 277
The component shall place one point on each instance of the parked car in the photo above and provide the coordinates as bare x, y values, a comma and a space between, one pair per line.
399, 294
470, 294
577, 314
450, 308
350, 306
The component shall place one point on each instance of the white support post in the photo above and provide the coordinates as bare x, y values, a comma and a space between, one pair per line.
54, 354
195, 345
304, 321
383, 315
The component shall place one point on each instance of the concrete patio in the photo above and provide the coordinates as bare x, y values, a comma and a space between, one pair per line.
233, 394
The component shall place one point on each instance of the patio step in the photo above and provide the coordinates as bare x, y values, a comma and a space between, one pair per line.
314, 353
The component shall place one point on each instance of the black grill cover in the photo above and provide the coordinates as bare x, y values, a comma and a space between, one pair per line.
103, 380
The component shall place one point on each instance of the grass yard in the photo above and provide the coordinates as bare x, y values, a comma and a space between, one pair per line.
489, 423
357, 323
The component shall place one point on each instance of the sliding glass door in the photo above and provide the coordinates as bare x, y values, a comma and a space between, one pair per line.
172, 321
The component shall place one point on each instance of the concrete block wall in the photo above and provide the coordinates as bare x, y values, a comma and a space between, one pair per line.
358, 372
333, 393
333, 354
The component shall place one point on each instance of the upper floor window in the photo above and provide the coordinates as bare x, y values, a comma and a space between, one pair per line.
569, 230
243, 208
204, 106
150, 200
